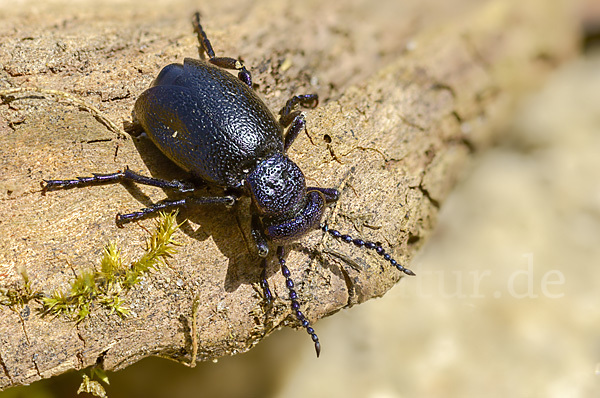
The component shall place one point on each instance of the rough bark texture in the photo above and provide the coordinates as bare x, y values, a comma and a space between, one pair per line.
408, 93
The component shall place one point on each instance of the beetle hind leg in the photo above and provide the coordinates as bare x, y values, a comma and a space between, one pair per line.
222, 62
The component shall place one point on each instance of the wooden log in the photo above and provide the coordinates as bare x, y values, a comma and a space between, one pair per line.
409, 93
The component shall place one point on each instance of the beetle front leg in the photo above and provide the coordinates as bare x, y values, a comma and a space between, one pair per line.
289, 283
259, 237
264, 284
222, 62
331, 195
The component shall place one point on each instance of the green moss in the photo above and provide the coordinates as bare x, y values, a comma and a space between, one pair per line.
105, 286
20, 294
90, 385
114, 277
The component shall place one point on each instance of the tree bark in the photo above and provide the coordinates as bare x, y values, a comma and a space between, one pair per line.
408, 94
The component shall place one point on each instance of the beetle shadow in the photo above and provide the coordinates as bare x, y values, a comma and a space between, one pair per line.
229, 227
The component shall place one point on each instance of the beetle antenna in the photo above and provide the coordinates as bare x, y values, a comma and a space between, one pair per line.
367, 244
294, 297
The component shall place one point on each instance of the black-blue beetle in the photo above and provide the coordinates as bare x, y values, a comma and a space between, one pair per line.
214, 126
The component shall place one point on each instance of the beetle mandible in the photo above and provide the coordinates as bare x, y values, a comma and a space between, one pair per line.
214, 126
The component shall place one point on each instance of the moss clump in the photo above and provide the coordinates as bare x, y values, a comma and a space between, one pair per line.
90, 385
19, 295
106, 286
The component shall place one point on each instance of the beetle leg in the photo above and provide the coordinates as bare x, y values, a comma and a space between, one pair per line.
259, 237
331, 194
222, 62
264, 284
306, 100
202, 38
296, 118
173, 204
292, 133
119, 176
232, 63
294, 298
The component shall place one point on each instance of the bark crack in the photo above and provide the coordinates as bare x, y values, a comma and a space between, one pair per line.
5, 369
426, 193
347, 279
35, 365
79, 355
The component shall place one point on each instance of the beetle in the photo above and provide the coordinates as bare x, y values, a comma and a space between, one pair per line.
213, 125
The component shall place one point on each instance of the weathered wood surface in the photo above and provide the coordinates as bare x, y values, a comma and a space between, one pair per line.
408, 93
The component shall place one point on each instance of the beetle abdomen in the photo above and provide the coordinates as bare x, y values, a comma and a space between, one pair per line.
208, 122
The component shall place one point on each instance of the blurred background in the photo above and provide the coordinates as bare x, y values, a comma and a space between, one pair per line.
506, 299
